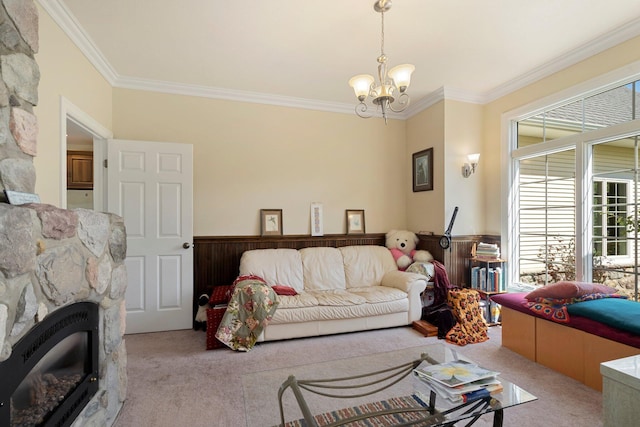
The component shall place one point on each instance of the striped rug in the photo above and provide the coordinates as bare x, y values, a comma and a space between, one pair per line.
380, 421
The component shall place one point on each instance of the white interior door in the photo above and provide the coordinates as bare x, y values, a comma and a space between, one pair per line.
150, 184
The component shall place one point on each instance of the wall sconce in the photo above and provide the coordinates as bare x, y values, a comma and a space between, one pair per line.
470, 167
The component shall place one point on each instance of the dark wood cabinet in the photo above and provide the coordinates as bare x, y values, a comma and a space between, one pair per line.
79, 170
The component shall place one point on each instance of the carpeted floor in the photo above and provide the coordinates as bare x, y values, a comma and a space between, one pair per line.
174, 381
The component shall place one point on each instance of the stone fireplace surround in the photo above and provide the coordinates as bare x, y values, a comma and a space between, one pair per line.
50, 257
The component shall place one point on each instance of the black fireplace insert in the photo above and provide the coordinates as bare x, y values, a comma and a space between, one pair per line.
52, 372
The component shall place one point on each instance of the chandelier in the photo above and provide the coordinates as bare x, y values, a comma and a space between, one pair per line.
389, 84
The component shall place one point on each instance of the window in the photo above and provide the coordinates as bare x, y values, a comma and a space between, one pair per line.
547, 218
609, 218
576, 184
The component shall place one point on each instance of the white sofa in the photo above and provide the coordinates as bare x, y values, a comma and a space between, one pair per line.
345, 289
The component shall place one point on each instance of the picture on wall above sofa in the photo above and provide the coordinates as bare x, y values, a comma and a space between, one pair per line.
271, 222
423, 170
355, 221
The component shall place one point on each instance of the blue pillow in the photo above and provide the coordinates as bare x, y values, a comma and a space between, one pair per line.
616, 312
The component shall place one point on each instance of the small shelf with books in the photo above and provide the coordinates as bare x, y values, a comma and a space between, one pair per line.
488, 277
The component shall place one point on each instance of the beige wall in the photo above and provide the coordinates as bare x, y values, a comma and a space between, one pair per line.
493, 166
252, 156
425, 208
463, 136
66, 72
453, 129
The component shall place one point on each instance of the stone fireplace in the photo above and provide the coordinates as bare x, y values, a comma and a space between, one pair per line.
51, 258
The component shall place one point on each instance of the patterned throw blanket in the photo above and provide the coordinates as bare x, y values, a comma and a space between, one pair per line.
250, 309
555, 309
471, 327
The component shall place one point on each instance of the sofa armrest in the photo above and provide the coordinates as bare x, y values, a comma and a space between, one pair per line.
407, 282
411, 283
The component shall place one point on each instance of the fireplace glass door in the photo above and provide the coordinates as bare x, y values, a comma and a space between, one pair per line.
53, 378
52, 372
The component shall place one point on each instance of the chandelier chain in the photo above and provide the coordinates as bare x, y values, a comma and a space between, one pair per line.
382, 35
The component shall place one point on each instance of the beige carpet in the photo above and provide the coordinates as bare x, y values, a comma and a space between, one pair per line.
174, 381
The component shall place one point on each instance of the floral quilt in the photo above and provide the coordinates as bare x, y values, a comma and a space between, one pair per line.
250, 309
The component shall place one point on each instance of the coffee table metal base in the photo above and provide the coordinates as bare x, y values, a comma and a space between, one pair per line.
356, 386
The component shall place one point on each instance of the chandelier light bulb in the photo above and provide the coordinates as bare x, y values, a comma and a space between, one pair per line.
401, 75
361, 85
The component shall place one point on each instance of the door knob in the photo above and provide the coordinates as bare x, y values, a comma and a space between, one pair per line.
186, 245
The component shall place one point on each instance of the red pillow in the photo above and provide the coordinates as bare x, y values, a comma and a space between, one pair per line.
567, 289
220, 295
284, 290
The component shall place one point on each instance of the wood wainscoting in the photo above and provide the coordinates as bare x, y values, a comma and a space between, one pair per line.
217, 258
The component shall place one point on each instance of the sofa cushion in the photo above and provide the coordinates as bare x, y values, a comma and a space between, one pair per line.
366, 265
322, 269
275, 266
333, 298
376, 294
304, 299
337, 297
334, 313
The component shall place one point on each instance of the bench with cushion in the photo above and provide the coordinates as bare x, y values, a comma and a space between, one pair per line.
593, 332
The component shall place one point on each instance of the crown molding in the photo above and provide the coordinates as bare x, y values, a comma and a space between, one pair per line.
621, 34
425, 102
67, 22
241, 96
440, 94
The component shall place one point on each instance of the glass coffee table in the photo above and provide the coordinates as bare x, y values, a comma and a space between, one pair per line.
377, 382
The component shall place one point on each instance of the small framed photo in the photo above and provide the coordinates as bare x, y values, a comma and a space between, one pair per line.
316, 219
355, 221
423, 170
271, 222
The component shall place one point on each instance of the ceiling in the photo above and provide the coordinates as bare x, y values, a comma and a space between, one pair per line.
302, 53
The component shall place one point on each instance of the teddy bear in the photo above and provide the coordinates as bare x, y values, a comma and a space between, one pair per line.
402, 244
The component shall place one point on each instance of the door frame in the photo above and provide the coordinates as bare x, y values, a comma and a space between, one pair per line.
69, 111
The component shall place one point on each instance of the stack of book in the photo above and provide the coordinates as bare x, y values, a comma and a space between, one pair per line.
458, 381
487, 251
488, 279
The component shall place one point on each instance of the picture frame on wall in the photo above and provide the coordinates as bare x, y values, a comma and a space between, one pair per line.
316, 219
423, 170
271, 222
355, 221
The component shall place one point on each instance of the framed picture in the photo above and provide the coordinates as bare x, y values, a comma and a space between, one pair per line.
271, 222
355, 221
423, 170
316, 219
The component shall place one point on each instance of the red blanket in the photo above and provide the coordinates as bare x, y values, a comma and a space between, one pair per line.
441, 283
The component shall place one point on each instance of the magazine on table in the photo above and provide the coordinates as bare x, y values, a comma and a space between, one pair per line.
457, 381
455, 373
462, 393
